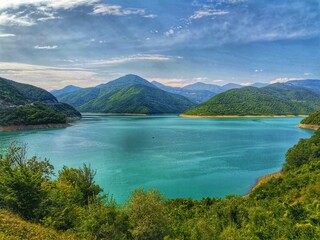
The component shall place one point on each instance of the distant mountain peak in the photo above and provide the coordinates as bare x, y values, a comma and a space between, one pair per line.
66, 89
126, 81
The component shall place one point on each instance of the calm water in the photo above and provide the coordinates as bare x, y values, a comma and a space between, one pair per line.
181, 157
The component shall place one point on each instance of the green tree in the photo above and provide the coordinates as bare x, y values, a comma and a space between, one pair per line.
147, 215
21, 182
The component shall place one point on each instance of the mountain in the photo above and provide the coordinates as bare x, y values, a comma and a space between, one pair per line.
204, 87
197, 96
230, 86
24, 104
259, 85
275, 99
310, 84
128, 94
67, 89
198, 92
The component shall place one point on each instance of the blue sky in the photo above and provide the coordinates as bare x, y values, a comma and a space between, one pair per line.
54, 43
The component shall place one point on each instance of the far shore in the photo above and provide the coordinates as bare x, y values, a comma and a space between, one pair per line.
118, 114
239, 116
32, 127
309, 126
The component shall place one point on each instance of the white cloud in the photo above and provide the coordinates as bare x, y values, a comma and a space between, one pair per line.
218, 81
133, 58
46, 47
44, 8
169, 33
55, 4
200, 79
258, 70
116, 10
173, 82
48, 77
12, 19
5, 35
245, 84
307, 74
207, 12
150, 16
284, 79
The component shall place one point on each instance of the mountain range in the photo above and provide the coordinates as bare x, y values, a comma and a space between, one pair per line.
24, 104
128, 94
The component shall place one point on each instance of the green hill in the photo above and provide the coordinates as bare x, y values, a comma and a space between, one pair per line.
311, 122
275, 99
313, 119
128, 94
23, 104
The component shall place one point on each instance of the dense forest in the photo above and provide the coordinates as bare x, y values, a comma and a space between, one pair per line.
285, 207
23, 104
312, 119
128, 94
34, 114
275, 99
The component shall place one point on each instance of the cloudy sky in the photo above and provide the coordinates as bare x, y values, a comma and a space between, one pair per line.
54, 43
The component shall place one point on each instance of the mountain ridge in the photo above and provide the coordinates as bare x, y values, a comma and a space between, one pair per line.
275, 99
24, 104
127, 94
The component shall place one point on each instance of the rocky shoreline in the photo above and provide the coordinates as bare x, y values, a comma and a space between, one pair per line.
32, 127
309, 126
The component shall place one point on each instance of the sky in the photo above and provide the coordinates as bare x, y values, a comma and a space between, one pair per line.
54, 43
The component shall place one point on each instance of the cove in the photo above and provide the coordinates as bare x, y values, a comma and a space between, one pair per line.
181, 157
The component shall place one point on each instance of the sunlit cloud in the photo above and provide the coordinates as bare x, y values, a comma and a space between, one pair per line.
169, 33
5, 35
173, 82
133, 58
48, 77
207, 12
12, 19
55, 4
245, 84
116, 10
46, 47
284, 79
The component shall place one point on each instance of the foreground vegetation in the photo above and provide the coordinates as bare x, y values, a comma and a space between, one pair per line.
285, 207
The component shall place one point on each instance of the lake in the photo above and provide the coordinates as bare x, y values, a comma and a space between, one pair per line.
181, 157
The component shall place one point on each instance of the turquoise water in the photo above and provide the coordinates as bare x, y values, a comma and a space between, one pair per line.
180, 157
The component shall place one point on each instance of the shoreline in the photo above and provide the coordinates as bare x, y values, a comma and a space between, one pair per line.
13, 128
309, 126
264, 179
239, 116
117, 114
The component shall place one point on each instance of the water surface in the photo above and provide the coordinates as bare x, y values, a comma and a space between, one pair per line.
181, 157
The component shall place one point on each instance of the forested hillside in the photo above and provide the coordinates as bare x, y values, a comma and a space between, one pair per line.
23, 104
128, 94
275, 99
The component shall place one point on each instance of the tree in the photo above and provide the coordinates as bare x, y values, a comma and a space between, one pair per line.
146, 214
21, 181
83, 180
